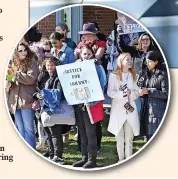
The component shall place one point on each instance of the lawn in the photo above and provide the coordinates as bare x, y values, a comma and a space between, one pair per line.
107, 154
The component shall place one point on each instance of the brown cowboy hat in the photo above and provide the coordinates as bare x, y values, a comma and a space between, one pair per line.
88, 28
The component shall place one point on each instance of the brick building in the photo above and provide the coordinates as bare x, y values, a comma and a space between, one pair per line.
75, 17
103, 16
47, 25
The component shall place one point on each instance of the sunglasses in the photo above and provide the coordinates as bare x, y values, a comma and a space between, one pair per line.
20, 51
54, 42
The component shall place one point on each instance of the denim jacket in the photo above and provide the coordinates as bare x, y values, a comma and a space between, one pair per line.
51, 101
65, 55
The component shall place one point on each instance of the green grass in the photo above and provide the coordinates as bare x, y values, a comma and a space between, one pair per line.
107, 154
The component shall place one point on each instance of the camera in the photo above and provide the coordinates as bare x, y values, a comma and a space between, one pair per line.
140, 82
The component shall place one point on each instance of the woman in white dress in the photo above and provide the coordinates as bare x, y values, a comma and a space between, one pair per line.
124, 122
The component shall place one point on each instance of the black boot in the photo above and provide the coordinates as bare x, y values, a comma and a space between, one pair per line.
91, 163
81, 162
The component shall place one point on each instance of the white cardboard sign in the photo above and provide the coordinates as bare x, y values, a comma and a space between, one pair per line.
80, 82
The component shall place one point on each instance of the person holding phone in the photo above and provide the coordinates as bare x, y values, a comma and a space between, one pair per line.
154, 90
124, 121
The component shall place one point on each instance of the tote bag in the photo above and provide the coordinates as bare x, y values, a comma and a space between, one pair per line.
64, 115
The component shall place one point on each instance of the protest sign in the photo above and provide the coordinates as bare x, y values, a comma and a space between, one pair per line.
128, 25
80, 82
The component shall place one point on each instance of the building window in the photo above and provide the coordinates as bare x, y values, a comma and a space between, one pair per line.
66, 18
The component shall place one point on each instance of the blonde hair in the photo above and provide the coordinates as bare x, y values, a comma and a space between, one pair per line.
119, 69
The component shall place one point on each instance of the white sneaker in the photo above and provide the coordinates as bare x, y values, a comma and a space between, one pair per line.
58, 160
145, 139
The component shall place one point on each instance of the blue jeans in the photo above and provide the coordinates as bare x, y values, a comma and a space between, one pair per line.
24, 120
139, 103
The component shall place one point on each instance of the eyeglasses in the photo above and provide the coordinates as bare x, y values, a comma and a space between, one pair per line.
145, 40
20, 51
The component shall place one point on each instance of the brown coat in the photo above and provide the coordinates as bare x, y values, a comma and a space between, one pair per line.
21, 92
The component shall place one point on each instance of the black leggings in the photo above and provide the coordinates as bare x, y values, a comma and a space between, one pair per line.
98, 136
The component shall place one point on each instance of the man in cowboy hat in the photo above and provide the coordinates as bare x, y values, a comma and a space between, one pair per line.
88, 33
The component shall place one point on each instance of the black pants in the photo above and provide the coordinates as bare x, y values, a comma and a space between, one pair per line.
98, 136
54, 137
55, 141
148, 136
87, 133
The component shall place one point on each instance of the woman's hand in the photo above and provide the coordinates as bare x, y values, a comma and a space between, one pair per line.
39, 96
143, 92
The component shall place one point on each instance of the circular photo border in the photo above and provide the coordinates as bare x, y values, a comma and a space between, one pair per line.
165, 113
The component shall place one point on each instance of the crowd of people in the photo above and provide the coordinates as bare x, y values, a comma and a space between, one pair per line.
133, 75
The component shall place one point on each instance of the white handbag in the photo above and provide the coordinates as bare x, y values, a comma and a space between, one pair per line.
64, 115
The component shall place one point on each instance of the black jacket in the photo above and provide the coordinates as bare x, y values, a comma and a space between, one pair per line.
139, 56
154, 104
42, 78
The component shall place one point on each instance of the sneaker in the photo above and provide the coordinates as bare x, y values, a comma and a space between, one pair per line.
58, 160
145, 139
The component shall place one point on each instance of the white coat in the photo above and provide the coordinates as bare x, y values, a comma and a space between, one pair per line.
118, 114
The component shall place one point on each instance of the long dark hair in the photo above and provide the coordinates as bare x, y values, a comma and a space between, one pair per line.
155, 56
56, 36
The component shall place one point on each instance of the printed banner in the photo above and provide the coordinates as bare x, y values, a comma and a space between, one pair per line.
128, 25
80, 82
